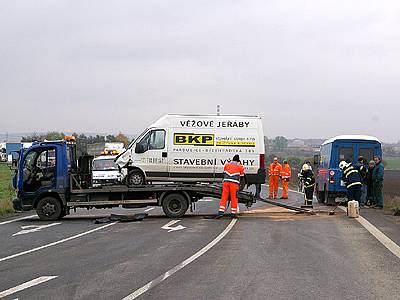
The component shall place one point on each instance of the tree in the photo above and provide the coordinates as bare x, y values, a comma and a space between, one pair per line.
279, 143
122, 138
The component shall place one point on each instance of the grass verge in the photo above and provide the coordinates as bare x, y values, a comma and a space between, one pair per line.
6, 190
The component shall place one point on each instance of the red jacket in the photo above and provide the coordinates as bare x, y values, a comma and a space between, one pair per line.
233, 171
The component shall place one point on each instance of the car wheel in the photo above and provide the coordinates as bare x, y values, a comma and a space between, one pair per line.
175, 205
49, 209
135, 178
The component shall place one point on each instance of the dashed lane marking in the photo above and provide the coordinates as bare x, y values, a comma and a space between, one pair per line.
56, 243
183, 264
18, 219
26, 285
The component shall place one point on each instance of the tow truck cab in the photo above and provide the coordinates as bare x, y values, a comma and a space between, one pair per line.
43, 171
329, 185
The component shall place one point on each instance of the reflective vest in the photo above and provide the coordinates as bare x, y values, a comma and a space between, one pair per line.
232, 172
351, 176
286, 171
275, 169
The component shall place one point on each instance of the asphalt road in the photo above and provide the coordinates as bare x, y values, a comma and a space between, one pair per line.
269, 253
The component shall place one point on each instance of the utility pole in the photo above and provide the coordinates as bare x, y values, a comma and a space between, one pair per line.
218, 109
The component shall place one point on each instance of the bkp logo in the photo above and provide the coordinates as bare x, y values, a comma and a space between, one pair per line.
193, 139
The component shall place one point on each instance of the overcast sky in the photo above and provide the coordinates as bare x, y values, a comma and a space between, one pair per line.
308, 68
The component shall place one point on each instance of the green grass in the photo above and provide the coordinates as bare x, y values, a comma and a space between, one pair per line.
392, 163
6, 190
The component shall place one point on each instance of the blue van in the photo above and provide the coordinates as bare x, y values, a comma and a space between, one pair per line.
329, 185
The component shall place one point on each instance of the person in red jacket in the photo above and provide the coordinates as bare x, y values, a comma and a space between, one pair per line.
274, 172
285, 175
233, 171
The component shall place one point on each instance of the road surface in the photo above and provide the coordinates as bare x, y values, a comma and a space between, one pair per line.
269, 253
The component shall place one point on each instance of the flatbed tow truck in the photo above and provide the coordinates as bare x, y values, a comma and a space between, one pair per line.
51, 179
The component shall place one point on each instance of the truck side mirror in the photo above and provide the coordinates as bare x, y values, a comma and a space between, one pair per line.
317, 158
140, 148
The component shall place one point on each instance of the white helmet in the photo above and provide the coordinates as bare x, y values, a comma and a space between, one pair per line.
305, 167
343, 165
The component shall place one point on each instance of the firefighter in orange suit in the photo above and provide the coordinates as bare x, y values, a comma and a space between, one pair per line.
233, 171
274, 172
285, 175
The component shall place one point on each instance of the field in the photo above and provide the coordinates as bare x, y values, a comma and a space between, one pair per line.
391, 187
392, 163
6, 190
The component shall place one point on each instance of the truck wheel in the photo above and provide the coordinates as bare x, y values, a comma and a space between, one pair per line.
330, 199
320, 196
49, 209
135, 178
174, 205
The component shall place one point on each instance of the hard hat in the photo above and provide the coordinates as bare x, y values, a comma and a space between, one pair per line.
342, 165
305, 167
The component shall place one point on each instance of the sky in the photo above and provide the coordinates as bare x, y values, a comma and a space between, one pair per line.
310, 69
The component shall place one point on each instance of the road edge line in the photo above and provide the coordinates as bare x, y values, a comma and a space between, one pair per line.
56, 242
379, 235
183, 264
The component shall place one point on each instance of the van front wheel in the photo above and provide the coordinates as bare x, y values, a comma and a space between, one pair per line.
135, 178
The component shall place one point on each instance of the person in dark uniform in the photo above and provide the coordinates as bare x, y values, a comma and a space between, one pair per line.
308, 179
352, 179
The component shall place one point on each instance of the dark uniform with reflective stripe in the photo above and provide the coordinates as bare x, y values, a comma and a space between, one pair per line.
351, 177
308, 179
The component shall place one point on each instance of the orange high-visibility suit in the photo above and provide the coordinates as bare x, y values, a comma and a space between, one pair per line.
274, 172
232, 173
285, 175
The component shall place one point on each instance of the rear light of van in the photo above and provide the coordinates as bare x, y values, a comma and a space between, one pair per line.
331, 178
262, 161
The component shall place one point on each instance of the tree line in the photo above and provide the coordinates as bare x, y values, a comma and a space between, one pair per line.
82, 140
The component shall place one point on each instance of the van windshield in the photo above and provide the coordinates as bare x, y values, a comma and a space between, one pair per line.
138, 137
104, 165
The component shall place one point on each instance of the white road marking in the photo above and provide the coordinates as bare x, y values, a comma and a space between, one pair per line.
18, 219
379, 235
26, 285
169, 227
206, 200
183, 264
149, 209
56, 243
34, 228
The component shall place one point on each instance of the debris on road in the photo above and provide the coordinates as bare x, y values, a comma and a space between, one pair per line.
121, 218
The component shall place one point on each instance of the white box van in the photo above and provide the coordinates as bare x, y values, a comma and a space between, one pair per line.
195, 148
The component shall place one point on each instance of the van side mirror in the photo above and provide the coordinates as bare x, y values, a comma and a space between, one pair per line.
140, 148
317, 158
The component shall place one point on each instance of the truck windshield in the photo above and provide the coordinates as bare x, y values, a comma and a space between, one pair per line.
104, 165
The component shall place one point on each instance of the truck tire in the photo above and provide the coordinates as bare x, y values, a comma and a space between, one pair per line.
330, 199
175, 205
135, 178
49, 209
320, 195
